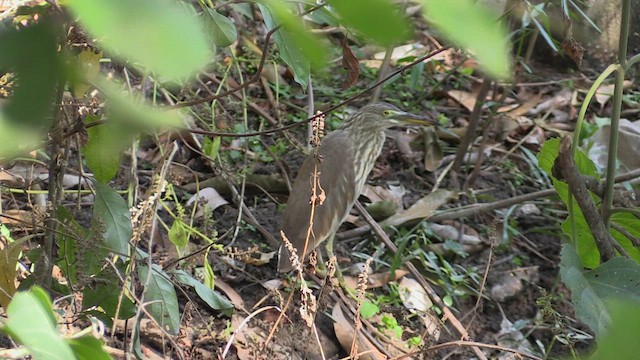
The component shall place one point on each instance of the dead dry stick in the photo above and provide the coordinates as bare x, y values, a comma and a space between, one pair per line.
480, 208
412, 269
565, 169
472, 344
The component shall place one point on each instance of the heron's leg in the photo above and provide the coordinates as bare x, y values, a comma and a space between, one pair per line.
331, 255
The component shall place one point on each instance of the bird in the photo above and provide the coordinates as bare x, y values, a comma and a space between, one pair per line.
344, 159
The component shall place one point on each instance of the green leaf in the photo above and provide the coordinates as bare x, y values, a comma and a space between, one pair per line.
161, 298
88, 348
368, 310
103, 149
111, 209
67, 242
592, 291
211, 147
378, 20
130, 114
617, 278
160, 34
620, 340
209, 276
222, 30
31, 322
107, 297
473, 28
31, 53
213, 298
178, 234
631, 224
299, 49
590, 308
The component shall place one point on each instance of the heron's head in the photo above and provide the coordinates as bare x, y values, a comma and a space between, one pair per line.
383, 115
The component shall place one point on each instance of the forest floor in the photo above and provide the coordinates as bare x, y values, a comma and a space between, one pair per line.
497, 271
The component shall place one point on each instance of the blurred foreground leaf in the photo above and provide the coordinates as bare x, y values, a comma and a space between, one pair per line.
378, 20
474, 28
162, 35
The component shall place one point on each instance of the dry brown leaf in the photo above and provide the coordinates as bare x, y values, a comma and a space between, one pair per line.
524, 108
8, 259
18, 217
351, 64
628, 143
511, 283
573, 49
432, 149
465, 98
422, 209
451, 233
605, 92
231, 293
560, 99
379, 193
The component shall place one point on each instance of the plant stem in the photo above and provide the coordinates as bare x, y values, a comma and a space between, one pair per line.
615, 116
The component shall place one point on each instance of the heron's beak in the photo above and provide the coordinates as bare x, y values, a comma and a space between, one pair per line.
409, 118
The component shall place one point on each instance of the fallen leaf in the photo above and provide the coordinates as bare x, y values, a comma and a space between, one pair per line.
465, 98
422, 209
416, 300
432, 149
522, 109
605, 92
231, 293
452, 233
8, 259
208, 197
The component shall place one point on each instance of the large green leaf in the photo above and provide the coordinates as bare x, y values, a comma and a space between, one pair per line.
132, 114
107, 297
378, 20
590, 308
221, 30
31, 322
617, 278
112, 211
592, 291
30, 53
213, 298
620, 340
474, 28
160, 34
104, 148
299, 49
88, 348
161, 298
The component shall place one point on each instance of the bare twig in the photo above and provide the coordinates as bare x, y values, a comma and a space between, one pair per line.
565, 169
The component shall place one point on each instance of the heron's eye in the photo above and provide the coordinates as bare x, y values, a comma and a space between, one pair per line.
387, 112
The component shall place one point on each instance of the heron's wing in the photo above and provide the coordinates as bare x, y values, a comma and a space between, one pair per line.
337, 179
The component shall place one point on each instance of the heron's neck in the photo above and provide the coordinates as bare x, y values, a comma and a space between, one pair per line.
368, 144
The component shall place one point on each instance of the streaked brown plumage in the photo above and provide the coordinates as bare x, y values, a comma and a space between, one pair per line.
347, 155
